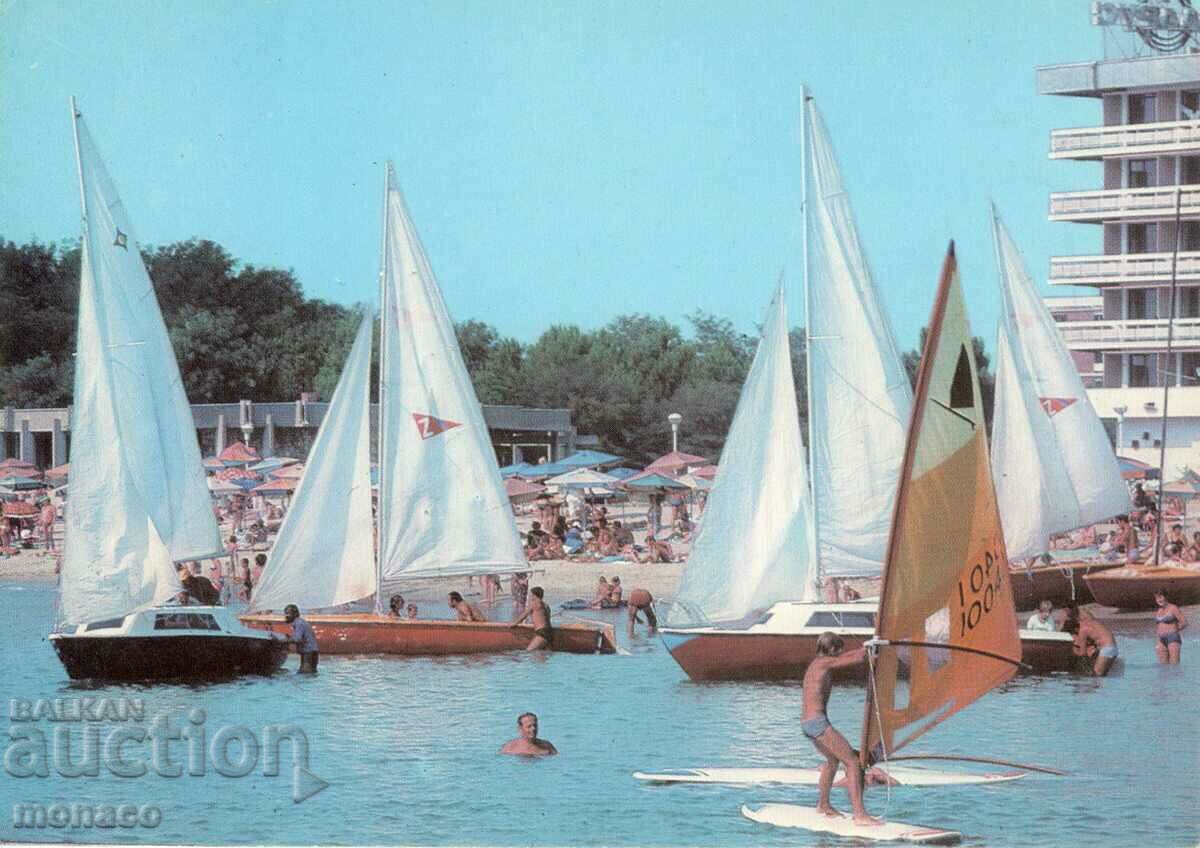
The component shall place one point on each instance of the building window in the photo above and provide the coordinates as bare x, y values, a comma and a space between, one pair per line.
1189, 367
1142, 109
1189, 170
1143, 173
1189, 235
1139, 370
1141, 238
1139, 305
1189, 302
1189, 105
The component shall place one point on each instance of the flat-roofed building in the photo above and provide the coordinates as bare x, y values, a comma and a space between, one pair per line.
1147, 141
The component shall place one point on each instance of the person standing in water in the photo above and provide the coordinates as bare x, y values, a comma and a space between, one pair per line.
539, 612
527, 744
1169, 621
305, 639
1091, 639
818, 683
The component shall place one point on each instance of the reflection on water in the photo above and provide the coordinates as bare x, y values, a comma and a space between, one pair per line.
409, 745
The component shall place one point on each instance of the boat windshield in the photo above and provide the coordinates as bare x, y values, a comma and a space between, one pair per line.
836, 618
185, 621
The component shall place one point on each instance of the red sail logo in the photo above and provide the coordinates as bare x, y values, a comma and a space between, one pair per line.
428, 426
1054, 405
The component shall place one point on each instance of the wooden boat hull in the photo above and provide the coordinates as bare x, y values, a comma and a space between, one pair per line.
1133, 588
190, 657
1059, 583
710, 656
367, 633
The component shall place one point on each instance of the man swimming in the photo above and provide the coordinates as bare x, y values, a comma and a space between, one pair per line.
528, 744
818, 683
536, 609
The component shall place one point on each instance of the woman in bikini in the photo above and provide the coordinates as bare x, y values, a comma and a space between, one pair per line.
1170, 623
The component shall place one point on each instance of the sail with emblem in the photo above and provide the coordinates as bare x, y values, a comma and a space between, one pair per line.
139, 501
442, 504
859, 398
757, 513
946, 609
325, 552
1052, 462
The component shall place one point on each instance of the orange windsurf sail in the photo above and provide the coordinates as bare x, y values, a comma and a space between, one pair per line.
946, 611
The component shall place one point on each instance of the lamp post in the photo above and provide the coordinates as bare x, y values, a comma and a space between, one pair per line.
1120, 410
675, 418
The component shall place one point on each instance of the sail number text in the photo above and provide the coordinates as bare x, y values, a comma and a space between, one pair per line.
978, 596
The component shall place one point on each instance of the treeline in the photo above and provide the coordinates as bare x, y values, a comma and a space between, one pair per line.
245, 332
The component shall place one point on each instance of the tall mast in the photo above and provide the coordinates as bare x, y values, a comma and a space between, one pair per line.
382, 395
79, 167
1167, 373
815, 542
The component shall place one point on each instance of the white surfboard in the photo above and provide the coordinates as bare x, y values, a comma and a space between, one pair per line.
903, 775
807, 818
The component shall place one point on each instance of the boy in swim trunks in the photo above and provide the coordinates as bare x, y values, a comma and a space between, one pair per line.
1091, 635
537, 610
818, 683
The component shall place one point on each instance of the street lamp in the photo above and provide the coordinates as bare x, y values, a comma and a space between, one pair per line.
675, 418
1120, 410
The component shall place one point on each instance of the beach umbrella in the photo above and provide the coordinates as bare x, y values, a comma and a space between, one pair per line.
59, 471
589, 458
522, 491
693, 481
16, 483
623, 473
222, 487
653, 480
277, 486
295, 472
1133, 469
708, 472
211, 463
239, 477
674, 461
20, 509
582, 478
17, 466
238, 453
518, 469
275, 462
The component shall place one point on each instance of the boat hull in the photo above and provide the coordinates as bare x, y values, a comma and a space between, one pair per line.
1059, 583
1133, 588
377, 634
710, 656
191, 657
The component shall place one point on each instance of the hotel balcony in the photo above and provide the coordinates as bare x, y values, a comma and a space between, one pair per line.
1126, 141
1124, 204
1132, 335
1123, 268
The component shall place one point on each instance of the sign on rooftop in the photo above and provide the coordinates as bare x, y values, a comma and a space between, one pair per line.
1165, 25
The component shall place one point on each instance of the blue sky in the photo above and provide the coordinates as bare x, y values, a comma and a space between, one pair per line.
565, 162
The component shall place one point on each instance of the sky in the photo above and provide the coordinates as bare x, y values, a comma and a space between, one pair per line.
564, 162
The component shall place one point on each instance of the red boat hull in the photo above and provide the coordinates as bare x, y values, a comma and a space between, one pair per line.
367, 633
1059, 583
1133, 588
755, 656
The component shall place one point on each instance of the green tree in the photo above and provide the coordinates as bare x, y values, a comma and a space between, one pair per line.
476, 340
37, 382
983, 362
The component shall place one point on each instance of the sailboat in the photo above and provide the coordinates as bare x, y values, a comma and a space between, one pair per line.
139, 502
1052, 463
769, 540
946, 614
442, 509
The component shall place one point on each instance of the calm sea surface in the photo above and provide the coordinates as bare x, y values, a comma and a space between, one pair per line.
408, 746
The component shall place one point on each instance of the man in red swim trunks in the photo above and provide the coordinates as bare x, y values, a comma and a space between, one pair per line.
642, 601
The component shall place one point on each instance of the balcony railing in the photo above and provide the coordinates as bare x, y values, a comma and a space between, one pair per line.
1123, 268
1134, 334
1125, 140
1124, 203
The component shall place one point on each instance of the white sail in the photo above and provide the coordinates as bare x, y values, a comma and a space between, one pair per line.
859, 395
325, 553
443, 508
1052, 462
753, 547
138, 494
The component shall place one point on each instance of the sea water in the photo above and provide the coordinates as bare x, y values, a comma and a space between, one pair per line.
408, 749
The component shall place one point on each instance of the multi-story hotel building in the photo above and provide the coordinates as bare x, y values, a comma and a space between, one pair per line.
1148, 140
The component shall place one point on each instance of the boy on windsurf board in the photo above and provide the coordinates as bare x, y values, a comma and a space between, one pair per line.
818, 683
